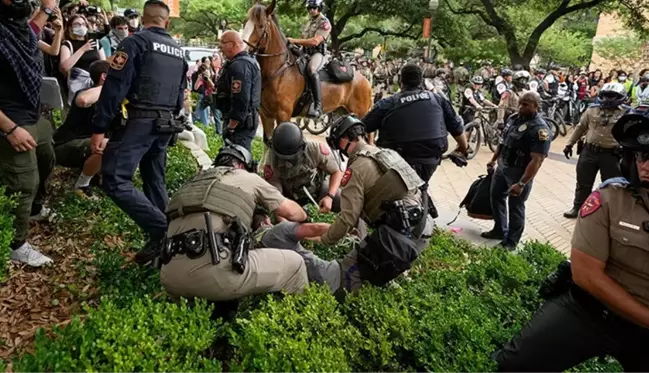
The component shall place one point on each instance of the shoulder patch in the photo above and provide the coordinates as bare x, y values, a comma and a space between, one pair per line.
236, 86
346, 176
619, 181
268, 172
325, 24
592, 204
504, 95
544, 134
119, 60
324, 149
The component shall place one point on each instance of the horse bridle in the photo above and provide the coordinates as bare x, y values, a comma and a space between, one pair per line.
255, 48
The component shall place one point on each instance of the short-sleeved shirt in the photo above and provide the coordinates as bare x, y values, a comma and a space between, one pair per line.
319, 25
597, 124
610, 228
529, 135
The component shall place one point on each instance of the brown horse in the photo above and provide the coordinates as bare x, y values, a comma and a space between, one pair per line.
282, 82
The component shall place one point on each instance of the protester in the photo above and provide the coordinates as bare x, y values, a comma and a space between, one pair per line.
118, 32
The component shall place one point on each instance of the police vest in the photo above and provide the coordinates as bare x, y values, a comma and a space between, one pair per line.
398, 180
205, 192
516, 147
302, 172
477, 96
157, 83
415, 115
225, 81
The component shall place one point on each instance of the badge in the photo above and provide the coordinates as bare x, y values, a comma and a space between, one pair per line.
324, 149
236, 86
522, 128
543, 134
592, 204
268, 172
346, 176
119, 60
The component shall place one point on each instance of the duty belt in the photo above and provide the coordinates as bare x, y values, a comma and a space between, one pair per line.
149, 114
598, 149
194, 244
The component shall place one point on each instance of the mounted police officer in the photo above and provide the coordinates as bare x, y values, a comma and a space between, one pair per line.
415, 123
314, 38
239, 91
295, 164
209, 252
509, 100
526, 143
601, 151
148, 69
599, 303
383, 190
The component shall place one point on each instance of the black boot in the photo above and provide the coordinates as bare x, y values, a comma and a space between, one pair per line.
149, 253
493, 235
315, 110
572, 214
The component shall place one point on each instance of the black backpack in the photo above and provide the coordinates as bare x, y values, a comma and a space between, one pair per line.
478, 199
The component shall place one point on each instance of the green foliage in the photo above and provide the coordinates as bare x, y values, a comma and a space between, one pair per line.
181, 166
143, 336
7, 203
624, 50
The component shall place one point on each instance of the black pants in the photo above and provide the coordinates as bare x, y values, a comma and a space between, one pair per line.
425, 168
590, 162
571, 329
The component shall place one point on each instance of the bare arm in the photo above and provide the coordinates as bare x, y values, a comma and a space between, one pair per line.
69, 59
532, 168
88, 97
488, 103
312, 42
334, 182
588, 273
291, 211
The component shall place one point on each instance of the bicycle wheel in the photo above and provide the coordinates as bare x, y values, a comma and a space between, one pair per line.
319, 125
563, 130
493, 138
474, 138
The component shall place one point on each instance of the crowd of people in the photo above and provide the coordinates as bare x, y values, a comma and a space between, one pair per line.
127, 87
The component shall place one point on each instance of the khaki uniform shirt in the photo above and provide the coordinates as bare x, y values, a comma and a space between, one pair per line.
610, 229
361, 175
319, 25
316, 156
597, 123
508, 103
265, 195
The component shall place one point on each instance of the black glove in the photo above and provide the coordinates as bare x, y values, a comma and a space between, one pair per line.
458, 159
567, 151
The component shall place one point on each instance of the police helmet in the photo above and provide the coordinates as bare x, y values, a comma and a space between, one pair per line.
631, 131
506, 72
287, 140
238, 152
541, 71
521, 78
612, 95
315, 4
477, 80
340, 128
518, 67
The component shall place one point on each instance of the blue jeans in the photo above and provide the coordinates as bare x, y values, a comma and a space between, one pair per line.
218, 121
138, 144
503, 179
202, 112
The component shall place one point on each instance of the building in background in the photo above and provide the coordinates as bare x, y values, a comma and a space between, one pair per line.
610, 26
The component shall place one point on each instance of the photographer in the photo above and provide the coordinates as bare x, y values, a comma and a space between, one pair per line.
604, 310
26, 153
204, 86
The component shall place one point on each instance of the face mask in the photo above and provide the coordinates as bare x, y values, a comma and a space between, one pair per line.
121, 33
16, 11
134, 23
622, 78
80, 31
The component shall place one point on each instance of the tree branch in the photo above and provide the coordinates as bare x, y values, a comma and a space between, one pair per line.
342, 21
403, 34
468, 11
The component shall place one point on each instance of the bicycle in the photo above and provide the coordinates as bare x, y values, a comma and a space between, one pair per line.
550, 109
482, 124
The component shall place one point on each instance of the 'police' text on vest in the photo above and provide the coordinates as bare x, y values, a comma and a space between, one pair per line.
420, 96
173, 51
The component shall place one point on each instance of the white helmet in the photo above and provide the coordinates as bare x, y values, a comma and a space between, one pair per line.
612, 95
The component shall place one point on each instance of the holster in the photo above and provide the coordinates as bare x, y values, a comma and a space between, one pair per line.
557, 282
580, 146
242, 243
400, 217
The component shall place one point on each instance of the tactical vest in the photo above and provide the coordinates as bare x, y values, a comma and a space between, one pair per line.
397, 181
477, 96
516, 142
513, 104
301, 173
157, 83
415, 115
205, 192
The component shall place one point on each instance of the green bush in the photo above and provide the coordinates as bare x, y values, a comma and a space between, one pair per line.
144, 336
7, 204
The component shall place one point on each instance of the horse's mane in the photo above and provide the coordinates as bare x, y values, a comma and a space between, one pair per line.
257, 14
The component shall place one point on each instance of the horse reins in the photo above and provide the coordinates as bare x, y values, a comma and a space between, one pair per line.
257, 47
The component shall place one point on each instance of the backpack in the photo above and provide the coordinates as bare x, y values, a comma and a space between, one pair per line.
478, 199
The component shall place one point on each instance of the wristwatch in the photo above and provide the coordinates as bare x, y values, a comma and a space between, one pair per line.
331, 196
47, 11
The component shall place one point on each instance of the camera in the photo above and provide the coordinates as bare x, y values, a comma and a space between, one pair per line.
90, 10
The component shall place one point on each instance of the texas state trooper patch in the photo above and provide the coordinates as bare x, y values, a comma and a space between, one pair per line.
543, 134
119, 60
346, 176
324, 149
592, 204
236, 86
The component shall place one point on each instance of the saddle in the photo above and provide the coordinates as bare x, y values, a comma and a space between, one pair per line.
334, 72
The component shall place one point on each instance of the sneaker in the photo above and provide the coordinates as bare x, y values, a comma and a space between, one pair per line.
492, 235
44, 215
29, 255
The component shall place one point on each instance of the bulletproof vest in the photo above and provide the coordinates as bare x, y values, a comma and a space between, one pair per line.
415, 115
398, 180
206, 192
554, 86
516, 143
301, 172
157, 83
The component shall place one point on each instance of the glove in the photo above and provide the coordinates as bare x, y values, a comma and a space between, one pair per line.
458, 159
567, 151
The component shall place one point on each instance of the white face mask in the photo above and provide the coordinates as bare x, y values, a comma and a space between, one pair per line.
121, 33
134, 23
80, 31
622, 78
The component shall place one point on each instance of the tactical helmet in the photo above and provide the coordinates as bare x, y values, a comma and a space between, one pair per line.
239, 152
518, 67
521, 78
631, 131
506, 72
541, 71
315, 4
477, 80
340, 128
287, 139
612, 95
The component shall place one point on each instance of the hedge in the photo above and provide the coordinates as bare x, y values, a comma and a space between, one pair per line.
458, 305
7, 203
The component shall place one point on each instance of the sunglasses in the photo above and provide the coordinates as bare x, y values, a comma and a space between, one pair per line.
312, 7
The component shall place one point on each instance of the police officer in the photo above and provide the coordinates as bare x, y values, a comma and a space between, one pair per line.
239, 91
314, 37
440, 82
473, 99
224, 197
295, 164
536, 84
603, 308
551, 81
377, 186
601, 151
149, 70
525, 145
503, 83
461, 74
509, 100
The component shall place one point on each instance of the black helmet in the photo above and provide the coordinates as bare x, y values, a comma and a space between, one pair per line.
287, 139
540, 71
315, 4
340, 128
239, 152
440, 72
631, 131
521, 78
506, 72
